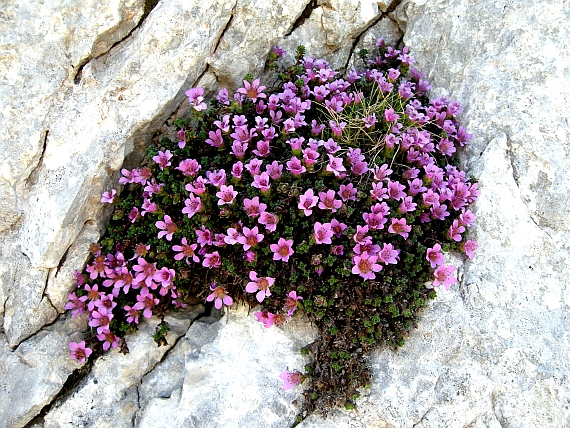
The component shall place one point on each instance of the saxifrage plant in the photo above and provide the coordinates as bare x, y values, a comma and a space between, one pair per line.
332, 194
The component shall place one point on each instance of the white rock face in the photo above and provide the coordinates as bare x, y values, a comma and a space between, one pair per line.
492, 352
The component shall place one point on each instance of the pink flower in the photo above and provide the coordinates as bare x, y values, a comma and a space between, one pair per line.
455, 231
263, 148
369, 120
79, 352
282, 250
347, 192
76, 304
388, 254
336, 128
265, 317
254, 166
109, 340
219, 296
189, 167
295, 167
261, 181
145, 272
365, 266
196, 99
444, 276
101, 319
335, 166
374, 221
291, 379
148, 207
337, 227
328, 201
163, 159
400, 227
291, 302
253, 207
217, 178
226, 195
164, 276
275, 170
132, 314
434, 256
323, 233
198, 187
260, 285
360, 235
268, 220
216, 139
212, 260
146, 301
193, 206
108, 197
468, 247
204, 236
239, 148
307, 201
167, 227
249, 237
186, 251
396, 190
253, 90
390, 116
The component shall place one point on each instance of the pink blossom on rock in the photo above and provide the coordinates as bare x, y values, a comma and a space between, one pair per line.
282, 250
252, 90
259, 285
265, 317
444, 276
145, 302
434, 256
132, 314
455, 231
291, 379
219, 296
109, 197
195, 97
468, 247
75, 304
79, 352
291, 302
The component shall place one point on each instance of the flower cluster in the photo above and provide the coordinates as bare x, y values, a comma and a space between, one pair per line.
338, 194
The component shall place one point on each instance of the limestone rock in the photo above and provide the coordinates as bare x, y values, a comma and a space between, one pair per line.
32, 375
108, 397
230, 371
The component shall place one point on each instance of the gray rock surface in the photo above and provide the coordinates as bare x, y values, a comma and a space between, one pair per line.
491, 352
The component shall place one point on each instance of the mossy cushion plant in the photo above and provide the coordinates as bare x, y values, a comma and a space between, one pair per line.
331, 194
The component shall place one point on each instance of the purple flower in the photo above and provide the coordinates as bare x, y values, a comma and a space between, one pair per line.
193, 206
167, 228
455, 231
291, 379
365, 265
253, 207
212, 260
216, 139
444, 276
268, 220
79, 352
217, 178
323, 233
260, 285
109, 340
196, 99
291, 302
132, 314
163, 159
250, 237
261, 182
388, 254
253, 90
347, 192
307, 201
223, 97
390, 116
467, 247
400, 227
219, 296
335, 165
226, 195
109, 197
434, 256
337, 128
275, 170
337, 227
267, 318
328, 201
204, 236
282, 250
295, 167
370, 120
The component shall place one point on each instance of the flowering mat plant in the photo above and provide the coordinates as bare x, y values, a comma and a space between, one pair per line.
335, 195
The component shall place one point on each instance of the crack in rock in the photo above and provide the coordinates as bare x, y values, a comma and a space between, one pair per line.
306, 14
222, 33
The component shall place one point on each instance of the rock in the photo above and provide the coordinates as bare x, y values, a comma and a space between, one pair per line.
68, 33
117, 102
230, 372
108, 396
32, 375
